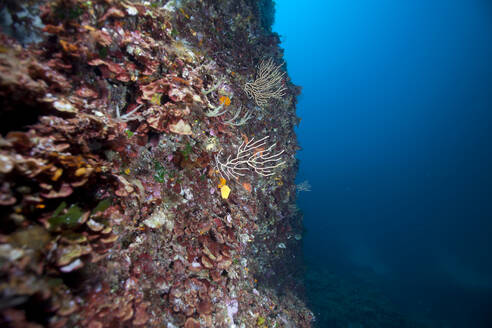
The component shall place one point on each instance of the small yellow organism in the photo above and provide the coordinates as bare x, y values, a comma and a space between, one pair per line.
57, 174
225, 191
225, 100
222, 182
224, 188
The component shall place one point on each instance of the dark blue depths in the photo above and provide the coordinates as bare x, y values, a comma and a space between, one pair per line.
396, 113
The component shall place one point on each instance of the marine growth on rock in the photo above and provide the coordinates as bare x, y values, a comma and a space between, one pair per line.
116, 120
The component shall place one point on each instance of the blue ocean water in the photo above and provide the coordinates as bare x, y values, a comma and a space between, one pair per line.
396, 133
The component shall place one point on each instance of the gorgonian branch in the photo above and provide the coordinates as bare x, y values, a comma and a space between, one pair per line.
268, 83
250, 155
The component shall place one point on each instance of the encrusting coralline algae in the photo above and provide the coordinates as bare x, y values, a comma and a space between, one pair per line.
115, 127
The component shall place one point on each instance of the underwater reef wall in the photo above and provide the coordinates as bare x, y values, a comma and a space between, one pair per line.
147, 165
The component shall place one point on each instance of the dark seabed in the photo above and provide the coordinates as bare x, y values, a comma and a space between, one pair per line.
396, 115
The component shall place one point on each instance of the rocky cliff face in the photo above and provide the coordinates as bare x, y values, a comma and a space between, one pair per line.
147, 166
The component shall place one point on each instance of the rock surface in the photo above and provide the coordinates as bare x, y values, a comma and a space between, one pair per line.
119, 128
